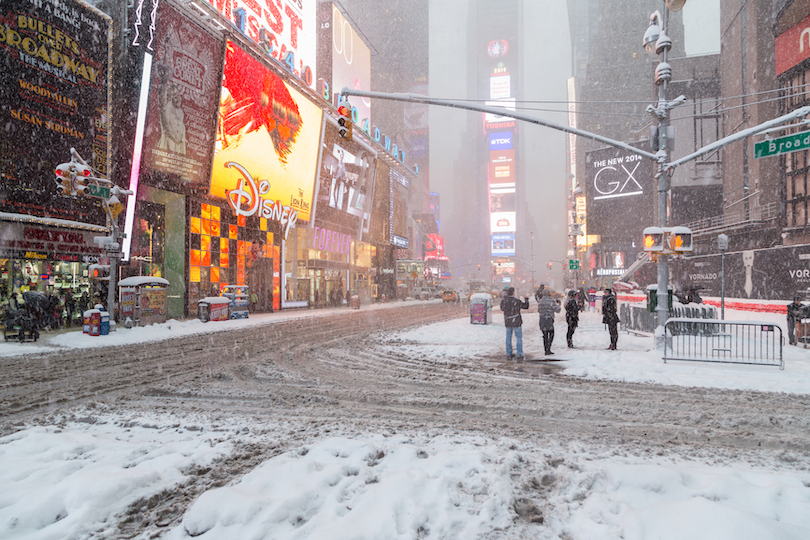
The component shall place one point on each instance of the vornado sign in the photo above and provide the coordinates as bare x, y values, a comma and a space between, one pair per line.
620, 192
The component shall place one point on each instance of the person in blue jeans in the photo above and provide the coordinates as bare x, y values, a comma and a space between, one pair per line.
511, 306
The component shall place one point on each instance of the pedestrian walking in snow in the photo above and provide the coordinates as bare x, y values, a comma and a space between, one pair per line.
547, 307
572, 309
511, 306
610, 317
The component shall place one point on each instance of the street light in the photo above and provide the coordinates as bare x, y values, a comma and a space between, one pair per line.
656, 39
722, 243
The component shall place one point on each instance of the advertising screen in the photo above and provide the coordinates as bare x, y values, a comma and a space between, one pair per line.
346, 186
267, 143
54, 82
183, 100
620, 191
344, 60
284, 29
503, 244
502, 222
434, 247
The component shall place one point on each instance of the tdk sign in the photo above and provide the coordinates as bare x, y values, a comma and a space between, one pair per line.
500, 141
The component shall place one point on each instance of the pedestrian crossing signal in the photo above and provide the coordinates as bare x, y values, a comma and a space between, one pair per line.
680, 239
654, 239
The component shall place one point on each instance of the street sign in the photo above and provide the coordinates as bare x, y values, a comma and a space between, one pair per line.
101, 192
573, 264
782, 145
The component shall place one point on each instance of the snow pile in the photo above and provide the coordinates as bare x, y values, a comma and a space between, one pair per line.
69, 482
372, 488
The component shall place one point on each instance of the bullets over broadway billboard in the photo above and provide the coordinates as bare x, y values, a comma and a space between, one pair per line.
54, 79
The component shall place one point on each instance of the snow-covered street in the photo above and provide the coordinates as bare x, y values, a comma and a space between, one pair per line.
403, 432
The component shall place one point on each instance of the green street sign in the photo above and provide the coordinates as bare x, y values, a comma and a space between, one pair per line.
782, 145
573, 264
101, 192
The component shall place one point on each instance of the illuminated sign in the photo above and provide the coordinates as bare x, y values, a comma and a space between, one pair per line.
793, 47
500, 86
267, 142
332, 241
500, 140
183, 98
503, 244
502, 222
55, 87
508, 104
284, 30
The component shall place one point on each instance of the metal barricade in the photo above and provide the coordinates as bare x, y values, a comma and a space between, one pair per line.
732, 342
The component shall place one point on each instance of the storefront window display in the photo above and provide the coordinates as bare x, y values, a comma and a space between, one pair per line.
229, 250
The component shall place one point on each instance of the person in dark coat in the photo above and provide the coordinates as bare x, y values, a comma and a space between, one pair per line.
610, 317
538, 294
795, 313
547, 307
571, 316
511, 306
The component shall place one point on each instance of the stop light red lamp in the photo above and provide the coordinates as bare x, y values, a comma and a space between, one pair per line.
345, 120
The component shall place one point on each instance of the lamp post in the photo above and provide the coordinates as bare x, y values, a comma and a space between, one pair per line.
722, 243
657, 41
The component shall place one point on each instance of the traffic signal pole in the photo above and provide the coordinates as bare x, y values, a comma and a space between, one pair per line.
665, 168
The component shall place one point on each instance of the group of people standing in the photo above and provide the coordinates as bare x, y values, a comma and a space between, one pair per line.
548, 307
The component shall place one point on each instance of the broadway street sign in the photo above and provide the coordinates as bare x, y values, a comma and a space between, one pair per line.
782, 145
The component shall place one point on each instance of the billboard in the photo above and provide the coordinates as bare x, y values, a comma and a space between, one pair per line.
344, 60
434, 247
776, 273
503, 244
620, 192
284, 29
346, 186
267, 143
54, 79
183, 100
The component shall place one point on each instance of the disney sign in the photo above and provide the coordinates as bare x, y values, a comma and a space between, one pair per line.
250, 199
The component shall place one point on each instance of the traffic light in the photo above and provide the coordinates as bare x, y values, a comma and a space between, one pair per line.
99, 272
654, 239
72, 177
479, 267
345, 120
680, 239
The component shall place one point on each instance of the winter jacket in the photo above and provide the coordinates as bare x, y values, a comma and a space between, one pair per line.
511, 307
547, 308
609, 315
538, 294
795, 312
572, 311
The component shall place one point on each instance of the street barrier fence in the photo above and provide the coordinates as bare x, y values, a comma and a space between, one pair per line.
714, 340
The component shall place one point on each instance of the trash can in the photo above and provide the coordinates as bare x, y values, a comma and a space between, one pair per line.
104, 324
481, 308
203, 311
355, 304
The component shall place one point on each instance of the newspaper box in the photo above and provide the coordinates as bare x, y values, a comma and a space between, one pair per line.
355, 302
239, 300
143, 299
213, 308
481, 308
92, 322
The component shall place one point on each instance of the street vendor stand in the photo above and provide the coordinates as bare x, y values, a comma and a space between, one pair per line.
142, 299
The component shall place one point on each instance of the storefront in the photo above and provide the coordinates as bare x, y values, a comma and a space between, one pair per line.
54, 260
